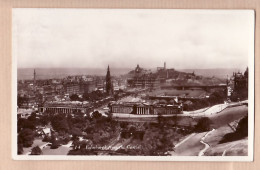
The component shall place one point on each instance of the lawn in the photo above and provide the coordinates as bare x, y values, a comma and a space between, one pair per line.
235, 148
228, 115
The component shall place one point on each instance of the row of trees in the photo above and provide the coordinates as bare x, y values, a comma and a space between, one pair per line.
241, 131
92, 96
26, 131
216, 97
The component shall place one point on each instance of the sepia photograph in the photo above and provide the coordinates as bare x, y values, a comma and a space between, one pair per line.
132, 84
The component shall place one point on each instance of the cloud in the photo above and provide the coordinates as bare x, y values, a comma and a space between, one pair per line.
123, 38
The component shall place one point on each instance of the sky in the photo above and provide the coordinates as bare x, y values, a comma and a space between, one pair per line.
123, 38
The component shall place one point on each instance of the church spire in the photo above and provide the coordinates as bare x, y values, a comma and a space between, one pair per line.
34, 77
109, 87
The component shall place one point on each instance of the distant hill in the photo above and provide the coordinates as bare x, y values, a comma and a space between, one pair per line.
45, 73
48, 73
218, 72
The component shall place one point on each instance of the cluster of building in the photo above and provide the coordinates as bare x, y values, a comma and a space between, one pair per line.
240, 80
33, 92
238, 83
143, 79
54, 95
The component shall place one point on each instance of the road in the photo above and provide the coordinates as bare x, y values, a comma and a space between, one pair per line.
209, 111
190, 147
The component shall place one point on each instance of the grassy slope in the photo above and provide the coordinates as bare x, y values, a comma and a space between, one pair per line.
220, 122
235, 148
228, 115
191, 147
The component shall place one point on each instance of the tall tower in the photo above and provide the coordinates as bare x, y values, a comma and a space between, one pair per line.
34, 77
164, 65
109, 87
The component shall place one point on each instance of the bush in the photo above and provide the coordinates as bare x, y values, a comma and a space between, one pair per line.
203, 124
26, 137
242, 127
46, 138
74, 97
96, 115
60, 123
55, 144
76, 132
123, 125
241, 132
36, 151
65, 140
20, 149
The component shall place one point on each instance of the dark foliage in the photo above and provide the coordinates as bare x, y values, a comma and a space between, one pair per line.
25, 124
46, 139
20, 149
36, 151
240, 133
55, 144
74, 97
75, 132
26, 137
59, 123
203, 124
96, 115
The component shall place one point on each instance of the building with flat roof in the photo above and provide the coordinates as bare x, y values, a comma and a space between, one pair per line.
66, 107
145, 108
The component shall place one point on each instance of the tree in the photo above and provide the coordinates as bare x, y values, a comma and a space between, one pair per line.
21, 100
217, 97
96, 115
241, 132
109, 116
55, 144
76, 132
26, 137
44, 119
123, 125
242, 127
20, 149
246, 73
203, 124
132, 129
160, 118
36, 151
74, 97
175, 119
59, 123
24, 123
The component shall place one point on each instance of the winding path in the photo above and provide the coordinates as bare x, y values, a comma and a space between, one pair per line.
201, 153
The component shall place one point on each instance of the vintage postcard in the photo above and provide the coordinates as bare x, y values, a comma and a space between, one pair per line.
133, 84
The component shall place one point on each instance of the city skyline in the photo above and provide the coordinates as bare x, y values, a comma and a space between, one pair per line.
125, 38
104, 84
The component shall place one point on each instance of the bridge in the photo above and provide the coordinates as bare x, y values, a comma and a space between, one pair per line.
190, 87
168, 98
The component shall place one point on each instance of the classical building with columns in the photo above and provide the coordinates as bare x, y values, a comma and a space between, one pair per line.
65, 107
145, 108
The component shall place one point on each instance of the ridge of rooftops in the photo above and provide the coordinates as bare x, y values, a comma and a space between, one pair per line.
144, 103
67, 103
